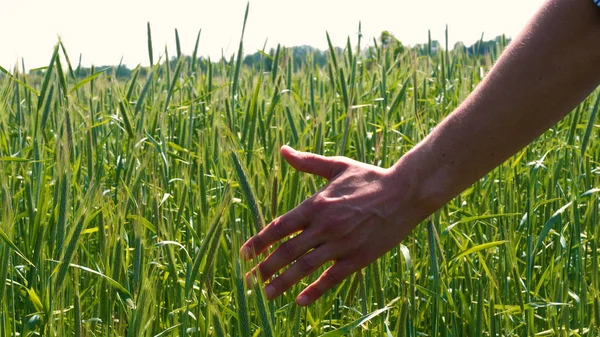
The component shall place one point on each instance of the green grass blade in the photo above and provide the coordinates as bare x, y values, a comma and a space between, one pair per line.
87, 80
195, 52
477, 249
590, 126
352, 326
549, 224
126, 121
123, 292
248, 192
332, 52
21, 83
140, 101
150, 53
177, 44
14, 247
47, 77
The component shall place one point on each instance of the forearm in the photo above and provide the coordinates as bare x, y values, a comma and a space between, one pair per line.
544, 73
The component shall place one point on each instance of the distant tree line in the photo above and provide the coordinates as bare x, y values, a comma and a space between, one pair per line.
478, 48
300, 56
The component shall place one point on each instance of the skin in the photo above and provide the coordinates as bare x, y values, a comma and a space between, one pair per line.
545, 72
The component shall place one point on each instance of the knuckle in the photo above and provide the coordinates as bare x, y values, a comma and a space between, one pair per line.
279, 227
288, 251
256, 244
309, 156
331, 278
306, 158
280, 284
301, 213
314, 292
306, 264
264, 271
320, 201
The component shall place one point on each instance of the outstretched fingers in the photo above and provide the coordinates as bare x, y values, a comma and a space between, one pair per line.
330, 278
304, 266
287, 253
280, 228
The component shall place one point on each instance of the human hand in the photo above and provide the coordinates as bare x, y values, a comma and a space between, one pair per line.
362, 213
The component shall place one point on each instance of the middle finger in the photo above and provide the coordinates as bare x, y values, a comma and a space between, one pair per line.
304, 266
287, 253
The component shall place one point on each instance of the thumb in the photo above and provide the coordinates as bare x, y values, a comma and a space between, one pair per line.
326, 167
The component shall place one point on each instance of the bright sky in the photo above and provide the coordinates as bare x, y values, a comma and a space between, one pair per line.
105, 31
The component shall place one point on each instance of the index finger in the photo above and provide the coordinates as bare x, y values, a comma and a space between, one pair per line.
282, 227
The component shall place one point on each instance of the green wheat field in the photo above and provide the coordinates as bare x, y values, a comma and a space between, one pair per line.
125, 200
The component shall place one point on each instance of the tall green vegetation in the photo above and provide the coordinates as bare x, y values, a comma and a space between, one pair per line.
125, 201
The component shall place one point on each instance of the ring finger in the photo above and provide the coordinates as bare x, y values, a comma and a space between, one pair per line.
304, 266
287, 253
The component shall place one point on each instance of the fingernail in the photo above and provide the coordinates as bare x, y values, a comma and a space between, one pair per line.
270, 291
249, 279
245, 253
302, 300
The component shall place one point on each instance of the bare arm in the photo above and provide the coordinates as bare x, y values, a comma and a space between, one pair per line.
547, 70
544, 73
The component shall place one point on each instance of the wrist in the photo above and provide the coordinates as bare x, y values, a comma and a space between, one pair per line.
425, 181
